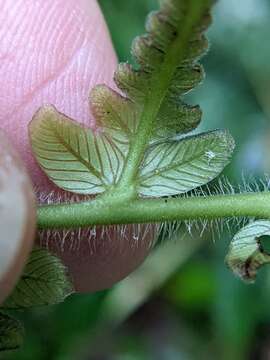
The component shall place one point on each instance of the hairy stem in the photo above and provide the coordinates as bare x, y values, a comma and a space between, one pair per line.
103, 212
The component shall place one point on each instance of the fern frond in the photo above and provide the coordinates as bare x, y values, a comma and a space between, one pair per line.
137, 125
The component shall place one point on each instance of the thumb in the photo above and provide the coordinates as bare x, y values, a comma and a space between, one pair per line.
54, 52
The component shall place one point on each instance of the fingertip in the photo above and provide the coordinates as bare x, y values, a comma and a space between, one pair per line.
17, 216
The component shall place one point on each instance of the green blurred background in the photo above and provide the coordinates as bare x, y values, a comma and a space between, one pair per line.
183, 303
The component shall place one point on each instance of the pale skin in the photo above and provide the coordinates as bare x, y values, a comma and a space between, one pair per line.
54, 52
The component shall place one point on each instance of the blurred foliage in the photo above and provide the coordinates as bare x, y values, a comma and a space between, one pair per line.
198, 310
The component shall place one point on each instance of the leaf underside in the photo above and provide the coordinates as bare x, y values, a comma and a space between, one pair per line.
177, 166
44, 282
246, 254
11, 333
75, 158
84, 161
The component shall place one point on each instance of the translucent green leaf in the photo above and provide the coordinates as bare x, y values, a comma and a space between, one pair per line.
74, 157
113, 111
176, 166
11, 333
178, 117
44, 282
246, 254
